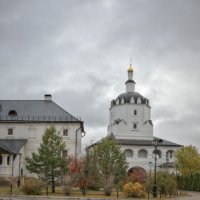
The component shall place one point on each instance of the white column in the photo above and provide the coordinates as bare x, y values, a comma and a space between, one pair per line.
4, 159
11, 160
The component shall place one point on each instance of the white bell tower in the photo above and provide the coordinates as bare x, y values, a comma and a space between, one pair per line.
130, 114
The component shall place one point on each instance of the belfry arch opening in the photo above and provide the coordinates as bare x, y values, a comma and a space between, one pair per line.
137, 174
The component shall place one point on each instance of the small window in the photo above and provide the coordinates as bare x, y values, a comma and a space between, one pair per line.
157, 153
135, 112
142, 153
128, 153
170, 154
8, 160
65, 132
12, 113
22, 172
65, 154
134, 126
10, 131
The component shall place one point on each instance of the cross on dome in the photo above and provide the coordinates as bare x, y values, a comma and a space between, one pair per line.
130, 69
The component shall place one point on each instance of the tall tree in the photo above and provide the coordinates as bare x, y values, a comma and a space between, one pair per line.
48, 163
188, 160
109, 162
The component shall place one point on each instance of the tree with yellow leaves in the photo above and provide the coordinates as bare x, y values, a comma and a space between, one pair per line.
188, 160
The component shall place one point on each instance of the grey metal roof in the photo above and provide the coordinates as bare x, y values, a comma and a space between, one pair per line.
34, 110
127, 96
144, 142
168, 165
137, 142
12, 146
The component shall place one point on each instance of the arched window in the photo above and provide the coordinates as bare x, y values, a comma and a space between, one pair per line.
12, 113
135, 112
158, 153
8, 160
22, 172
128, 153
142, 153
170, 154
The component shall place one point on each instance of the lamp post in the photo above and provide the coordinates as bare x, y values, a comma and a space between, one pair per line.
19, 177
156, 141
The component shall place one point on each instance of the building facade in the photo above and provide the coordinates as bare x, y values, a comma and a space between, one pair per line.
131, 125
22, 124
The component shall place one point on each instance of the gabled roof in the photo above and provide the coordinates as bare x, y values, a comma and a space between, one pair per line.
12, 146
34, 111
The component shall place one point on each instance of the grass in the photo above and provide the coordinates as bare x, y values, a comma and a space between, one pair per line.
5, 190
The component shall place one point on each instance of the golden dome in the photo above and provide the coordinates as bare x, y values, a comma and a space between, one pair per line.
130, 69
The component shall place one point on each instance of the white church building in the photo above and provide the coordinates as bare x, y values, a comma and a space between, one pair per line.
131, 125
22, 124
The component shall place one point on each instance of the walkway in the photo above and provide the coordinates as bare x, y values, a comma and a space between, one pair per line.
190, 196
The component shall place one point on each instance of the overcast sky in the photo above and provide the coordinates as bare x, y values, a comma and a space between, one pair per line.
79, 52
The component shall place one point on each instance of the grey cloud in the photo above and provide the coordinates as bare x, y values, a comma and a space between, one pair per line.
79, 51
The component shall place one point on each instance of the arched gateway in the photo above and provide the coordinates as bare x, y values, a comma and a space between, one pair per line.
137, 174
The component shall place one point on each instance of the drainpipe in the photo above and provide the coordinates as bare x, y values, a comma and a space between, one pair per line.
76, 141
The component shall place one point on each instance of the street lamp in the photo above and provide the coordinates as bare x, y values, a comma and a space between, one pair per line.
18, 182
156, 141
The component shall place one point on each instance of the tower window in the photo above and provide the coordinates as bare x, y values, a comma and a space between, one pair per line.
135, 112
134, 126
65, 132
10, 131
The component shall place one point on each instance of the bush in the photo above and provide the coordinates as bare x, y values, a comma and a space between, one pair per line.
134, 190
67, 190
32, 186
108, 191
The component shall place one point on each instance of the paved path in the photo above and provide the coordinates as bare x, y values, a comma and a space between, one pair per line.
190, 196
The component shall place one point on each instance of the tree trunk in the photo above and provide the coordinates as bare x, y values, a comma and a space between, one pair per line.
53, 182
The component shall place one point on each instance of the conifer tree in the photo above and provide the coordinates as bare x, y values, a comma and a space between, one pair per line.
48, 163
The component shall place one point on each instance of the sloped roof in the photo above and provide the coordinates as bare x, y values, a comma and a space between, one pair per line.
128, 95
144, 142
34, 110
12, 146
168, 165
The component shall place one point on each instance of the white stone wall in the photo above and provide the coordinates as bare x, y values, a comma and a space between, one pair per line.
148, 162
124, 129
33, 133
